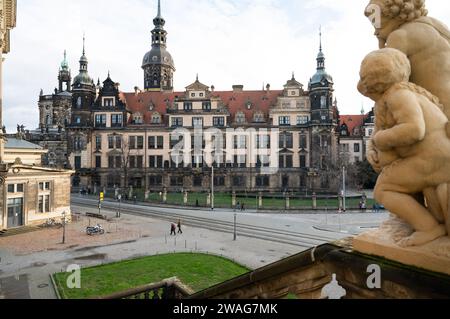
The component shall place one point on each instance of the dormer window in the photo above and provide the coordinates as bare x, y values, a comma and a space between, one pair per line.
151, 107
108, 101
137, 118
240, 118
156, 118
258, 117
249, 105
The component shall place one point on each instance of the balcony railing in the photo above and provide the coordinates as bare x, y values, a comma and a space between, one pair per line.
168, 289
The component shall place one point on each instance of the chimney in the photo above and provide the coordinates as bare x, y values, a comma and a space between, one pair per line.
268, 87
137, 90
213, 88
238, 88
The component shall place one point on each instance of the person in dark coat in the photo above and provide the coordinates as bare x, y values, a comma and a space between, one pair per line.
173, 229
179, 227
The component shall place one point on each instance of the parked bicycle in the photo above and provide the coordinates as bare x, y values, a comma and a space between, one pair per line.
95, 230
52, 223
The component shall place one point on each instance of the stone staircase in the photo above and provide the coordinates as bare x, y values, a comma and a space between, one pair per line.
18, 231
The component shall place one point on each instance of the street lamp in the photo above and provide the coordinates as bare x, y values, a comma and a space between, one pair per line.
235, 227
119, 198
64, 227
212, 186
344, 190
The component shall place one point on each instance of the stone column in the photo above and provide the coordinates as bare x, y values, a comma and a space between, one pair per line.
314, 201
208, 199
185, 198
233, 199
164, 199
260, 200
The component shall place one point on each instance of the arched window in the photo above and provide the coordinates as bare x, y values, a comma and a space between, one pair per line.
79, 102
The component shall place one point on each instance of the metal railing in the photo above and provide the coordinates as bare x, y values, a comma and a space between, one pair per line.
168, 289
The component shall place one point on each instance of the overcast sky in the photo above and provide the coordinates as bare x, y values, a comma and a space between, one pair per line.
226, 42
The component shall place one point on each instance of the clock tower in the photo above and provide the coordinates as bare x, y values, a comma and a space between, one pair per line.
158, 64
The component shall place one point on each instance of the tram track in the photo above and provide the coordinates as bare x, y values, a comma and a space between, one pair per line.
302, 239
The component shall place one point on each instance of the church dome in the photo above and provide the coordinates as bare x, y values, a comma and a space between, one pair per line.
158, 55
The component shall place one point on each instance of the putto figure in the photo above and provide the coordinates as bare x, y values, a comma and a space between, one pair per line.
404, 25
410, 145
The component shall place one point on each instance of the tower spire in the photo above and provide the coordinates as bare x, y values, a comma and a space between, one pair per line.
84, 42
320, 35
320, 56
159, 8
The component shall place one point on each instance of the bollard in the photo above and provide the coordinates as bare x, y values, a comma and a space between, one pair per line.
314, 201
260, 200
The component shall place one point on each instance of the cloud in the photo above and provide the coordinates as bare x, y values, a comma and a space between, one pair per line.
227, 42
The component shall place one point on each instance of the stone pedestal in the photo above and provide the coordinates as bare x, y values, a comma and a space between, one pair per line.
208, 199
314, 201
233, 199
341, 203
288, 202
185, 198
164, 199
260, 200
147, 195
434, 256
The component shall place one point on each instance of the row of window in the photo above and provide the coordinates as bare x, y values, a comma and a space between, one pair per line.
137, 161
188, 106
286, 120
356, 147
197, 121
43, 196
286, 140
19, 188
116, 120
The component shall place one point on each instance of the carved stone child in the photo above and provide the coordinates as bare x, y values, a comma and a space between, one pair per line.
410, 145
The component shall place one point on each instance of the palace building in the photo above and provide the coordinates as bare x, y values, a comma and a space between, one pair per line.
271, 140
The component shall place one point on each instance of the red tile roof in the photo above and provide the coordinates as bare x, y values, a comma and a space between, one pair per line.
352, 122
235, 101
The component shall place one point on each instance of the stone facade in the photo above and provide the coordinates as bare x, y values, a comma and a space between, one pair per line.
274, 140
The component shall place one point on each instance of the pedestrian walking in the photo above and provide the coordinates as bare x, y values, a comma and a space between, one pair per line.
242, 207
179, 227
238, 206
173, 229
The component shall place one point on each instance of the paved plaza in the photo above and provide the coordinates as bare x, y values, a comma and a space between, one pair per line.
27, 260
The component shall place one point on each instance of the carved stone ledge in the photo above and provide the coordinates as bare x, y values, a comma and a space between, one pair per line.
382, 242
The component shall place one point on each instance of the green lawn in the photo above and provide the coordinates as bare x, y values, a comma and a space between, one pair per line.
198, 271
223, 200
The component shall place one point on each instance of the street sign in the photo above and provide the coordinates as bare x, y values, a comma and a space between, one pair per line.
102, 196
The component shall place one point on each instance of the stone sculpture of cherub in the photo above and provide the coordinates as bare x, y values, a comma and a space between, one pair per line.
411, 146
404, 25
